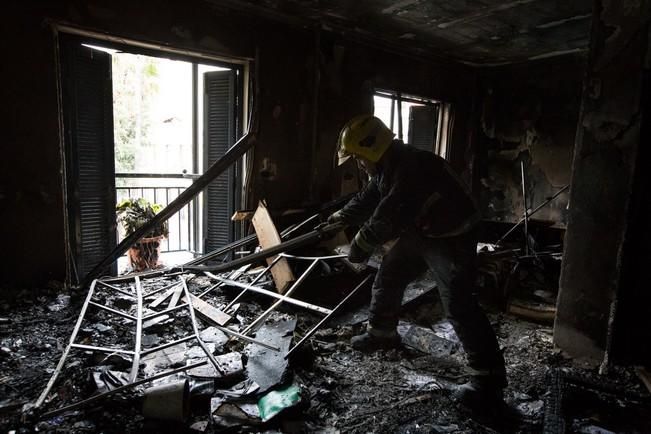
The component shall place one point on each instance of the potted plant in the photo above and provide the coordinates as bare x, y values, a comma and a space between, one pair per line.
133, 213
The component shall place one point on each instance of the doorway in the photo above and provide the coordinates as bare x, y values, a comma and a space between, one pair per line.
144, 124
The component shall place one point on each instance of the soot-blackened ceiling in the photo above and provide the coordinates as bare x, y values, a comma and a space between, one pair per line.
480, 32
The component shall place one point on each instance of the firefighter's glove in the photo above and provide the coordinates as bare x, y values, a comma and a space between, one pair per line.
336, 217
360, 250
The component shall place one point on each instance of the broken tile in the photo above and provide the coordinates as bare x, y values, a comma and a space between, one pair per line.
213, 335
197, 352
200, 426
164, 359
157, 321
230, 414
150, 340
267, 367
231, 363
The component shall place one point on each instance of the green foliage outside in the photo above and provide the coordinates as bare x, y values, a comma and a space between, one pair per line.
133, 213
135, 89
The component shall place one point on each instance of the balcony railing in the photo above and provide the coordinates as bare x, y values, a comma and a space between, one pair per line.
163, 189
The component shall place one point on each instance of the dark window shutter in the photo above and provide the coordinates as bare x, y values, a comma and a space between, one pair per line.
88, 123
423, 121
219, 135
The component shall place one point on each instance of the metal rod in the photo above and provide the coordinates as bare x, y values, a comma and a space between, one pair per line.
209, 289
294, 243
163, 312
102, 349
80, 404
254, 281
205, 348
296, 284
116, 312
399, 100
538, 208
218, 284
62, 360
141, 274
324, 320
136, 352
219, 167
178, 218
164, 288
524, 205
219, 252
275, 295
158, 175
167, 345
284, 234
312, 258
293, 229
115, 288
240, 336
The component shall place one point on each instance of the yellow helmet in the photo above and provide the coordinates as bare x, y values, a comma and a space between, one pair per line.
364, 136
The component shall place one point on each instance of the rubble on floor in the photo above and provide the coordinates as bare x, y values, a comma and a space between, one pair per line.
221, 349
327, 386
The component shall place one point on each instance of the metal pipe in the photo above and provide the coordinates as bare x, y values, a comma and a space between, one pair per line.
102, 349
115, 288
205, 348
164, 288
135, 365
143, 275
219, 167
538, 208
294, 228
312, 258
399, 100
158, 175
62, 360
275, 295
258, 277
218, 284
167, 345
324, 320
294, 243
114, 311
296, 284
246, 338
163, 312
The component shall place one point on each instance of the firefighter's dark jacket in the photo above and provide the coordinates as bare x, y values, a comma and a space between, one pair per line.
412, 190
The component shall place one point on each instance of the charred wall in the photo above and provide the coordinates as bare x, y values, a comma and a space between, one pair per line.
529, 115
600, 305
306, 94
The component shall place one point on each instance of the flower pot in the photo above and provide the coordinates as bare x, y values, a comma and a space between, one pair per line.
145, 254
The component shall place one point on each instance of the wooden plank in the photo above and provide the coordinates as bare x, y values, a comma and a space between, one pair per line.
175, 297
242, 215
209, 312
268, 237
162, 298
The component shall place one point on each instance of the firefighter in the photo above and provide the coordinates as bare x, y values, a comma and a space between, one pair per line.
415, 198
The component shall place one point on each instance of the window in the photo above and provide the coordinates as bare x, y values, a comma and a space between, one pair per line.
143, 123
414, 120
